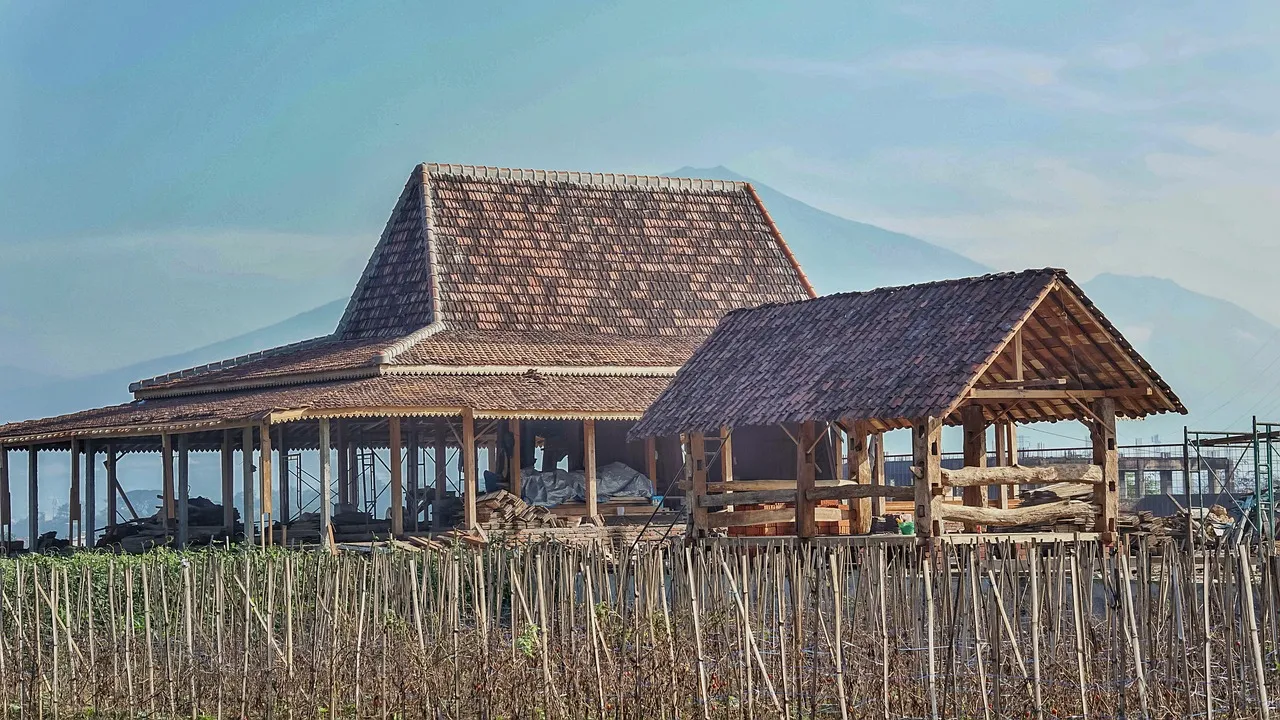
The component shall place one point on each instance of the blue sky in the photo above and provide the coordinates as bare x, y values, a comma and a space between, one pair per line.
172, 174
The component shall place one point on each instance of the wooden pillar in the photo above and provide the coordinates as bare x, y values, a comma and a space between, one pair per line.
589, 466
651, 460
184, 491
926, 452
726, 459
806, 478
265, 478
860, 472
697, 464
6, 498
975, 455
33, 497
1105, 454
411, 456
282, 443
440, 465
169, 508
326, 482
1011, 444
89, 513
1001, 499
876, 444
516, 482
842, 470
74, 526
353, 474
113, 488
340, 444
469, 478
228, 484
250, 511
397, 482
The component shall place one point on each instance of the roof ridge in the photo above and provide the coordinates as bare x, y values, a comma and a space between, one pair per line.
487, 172
388, 354
229, 362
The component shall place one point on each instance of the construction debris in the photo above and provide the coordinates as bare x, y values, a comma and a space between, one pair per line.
204, 526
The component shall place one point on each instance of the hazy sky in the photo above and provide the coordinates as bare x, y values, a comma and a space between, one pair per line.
174, 173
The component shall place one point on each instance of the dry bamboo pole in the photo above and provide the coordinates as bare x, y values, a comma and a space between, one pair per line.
1207, 635
1134, 641
1034, 557
1078, 627
881, 561
697, 635
1251, 626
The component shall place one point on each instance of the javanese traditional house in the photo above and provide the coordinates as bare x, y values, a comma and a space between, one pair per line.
500, 309
997, 350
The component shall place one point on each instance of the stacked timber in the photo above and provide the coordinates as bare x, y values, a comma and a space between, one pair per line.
348, 526
502, 511
204, 526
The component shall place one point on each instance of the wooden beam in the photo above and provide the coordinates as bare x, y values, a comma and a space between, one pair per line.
1047, 513
250, 507
926, 450
1017, 356
265, 476
326, 482
228, 484
169, 508
1005, 394
589, 466
752, 497
516, 482
440, 466
970, 477
33, 496
112, 484
860, 473
184, 490
697, 464
73, 497
1106, 495
806, 475
975, 454
877, 472
851, 491
743, 518
397, 481
282, 446
469, 478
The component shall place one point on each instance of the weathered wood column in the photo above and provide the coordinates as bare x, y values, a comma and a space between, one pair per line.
412, 491
469, 478
926, 452
806, 480
6, 498
1106, 495
184, 491
515, 481
74, 526
876, 444
228, 484
440, 464
340, 444
282, 438
975, 455
265, 477
113, 488
589, 467
89, 512
326, 482
169, 507
250, 511
397, 482
33, 496
1001, 500
860, 511
726, 459
651, 460
696, 447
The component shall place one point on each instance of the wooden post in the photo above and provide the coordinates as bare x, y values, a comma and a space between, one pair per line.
697, 450
975, 455
89, 513
169, 509
877, 473
265, 478
397, 486
326, 482
228, 484
516, 482
1012, 444
1106, 494
74, 526
282, 444
1002, 456
112, 492
926, 451
184, 491
411, 456
806, 478
250, 507
469, 478
651, 460
440, 465
589, 466
860, 473
6, 498
33, 497
340, 443
726, 459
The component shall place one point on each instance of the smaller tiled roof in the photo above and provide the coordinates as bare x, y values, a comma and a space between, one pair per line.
897, 354
474, 347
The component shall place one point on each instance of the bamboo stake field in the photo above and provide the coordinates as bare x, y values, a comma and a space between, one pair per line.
718, 629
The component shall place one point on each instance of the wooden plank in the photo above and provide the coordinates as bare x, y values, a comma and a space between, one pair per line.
249, 513
754, 497
830, 514
397, 479
513, 462
860, 473
1017, 394
184, 490
326, 481
852, 491
1106, 495
726, 459
1026, 515
590, 488
265, 479
926, 450
806, 474
469, 478
697, 451
743, 518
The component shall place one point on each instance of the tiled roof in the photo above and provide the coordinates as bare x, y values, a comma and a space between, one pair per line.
471, 347
323, 355
528, 395
892, 355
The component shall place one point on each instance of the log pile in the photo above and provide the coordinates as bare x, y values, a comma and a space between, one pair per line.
204, 526
502, 511
348, 526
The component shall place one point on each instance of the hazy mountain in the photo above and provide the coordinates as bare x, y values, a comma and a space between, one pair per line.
44, 397
838, 254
